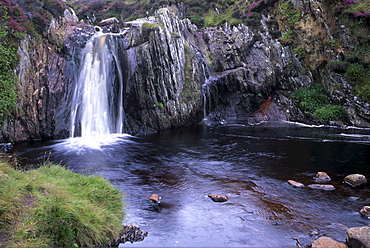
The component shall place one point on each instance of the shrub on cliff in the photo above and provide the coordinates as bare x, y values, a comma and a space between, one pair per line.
314, 100
54, 207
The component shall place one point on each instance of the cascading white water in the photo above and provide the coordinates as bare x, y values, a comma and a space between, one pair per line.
97, 104
205, 85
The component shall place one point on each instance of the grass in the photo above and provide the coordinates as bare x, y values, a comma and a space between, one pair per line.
54, 207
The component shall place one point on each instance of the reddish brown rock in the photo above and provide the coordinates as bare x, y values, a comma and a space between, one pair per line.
218, 198
296, 184
365, 212
327, 242
321, 186
155, 198
322, 177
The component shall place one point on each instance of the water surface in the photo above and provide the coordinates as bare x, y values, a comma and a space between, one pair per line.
249, 164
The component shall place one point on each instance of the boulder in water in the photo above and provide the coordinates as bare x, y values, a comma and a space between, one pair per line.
155, 198
324, 241
321, 186
218, 198
358, 236
355, 180
322, 177
365, 212
296, 184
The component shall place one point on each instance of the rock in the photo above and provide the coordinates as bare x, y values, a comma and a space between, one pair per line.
365, 212
355, 180
328, 242
322, 177
155, 198
108, 21
358, 236
296, 184
218, 198
321, 186
130, 234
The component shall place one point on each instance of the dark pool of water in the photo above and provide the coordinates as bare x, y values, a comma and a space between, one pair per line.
249, 164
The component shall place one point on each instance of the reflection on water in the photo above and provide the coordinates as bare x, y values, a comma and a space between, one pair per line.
249, 164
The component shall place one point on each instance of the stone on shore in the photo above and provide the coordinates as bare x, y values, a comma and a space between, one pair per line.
324, 241
218, 198
322, 177
155, 198
365, 212
321, 186
358, 236
296, 184
355, 180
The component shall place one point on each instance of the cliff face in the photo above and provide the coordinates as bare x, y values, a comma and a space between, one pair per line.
175, 74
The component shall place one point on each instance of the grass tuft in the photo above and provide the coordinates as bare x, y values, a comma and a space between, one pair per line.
54, 207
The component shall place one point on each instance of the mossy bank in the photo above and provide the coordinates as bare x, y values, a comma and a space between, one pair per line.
54, 207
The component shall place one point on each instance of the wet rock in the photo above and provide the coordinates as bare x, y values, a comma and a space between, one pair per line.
355, 180
322, 177
324, 241
218, 198
296, 184
155, 198
5, 147
365, 212
321, 186
109, 25
358, 236
129, 233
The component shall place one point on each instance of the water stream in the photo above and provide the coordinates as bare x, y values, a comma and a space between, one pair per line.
249, 164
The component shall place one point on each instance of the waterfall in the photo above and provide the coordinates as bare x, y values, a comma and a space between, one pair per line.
205, 85
97, 104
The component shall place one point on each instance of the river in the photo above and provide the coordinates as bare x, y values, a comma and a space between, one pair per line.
248, 163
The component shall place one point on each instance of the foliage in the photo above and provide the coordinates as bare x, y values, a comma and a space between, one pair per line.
330, 112
8, 61
52, 206
315, 101
311, 98
288, 18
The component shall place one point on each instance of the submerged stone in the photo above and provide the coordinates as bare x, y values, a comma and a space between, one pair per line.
218, 198
321, 186
296, 184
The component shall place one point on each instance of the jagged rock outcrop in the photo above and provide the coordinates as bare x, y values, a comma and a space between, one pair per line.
176, 74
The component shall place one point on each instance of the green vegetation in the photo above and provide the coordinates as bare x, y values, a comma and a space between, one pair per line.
288, 18
315, 101
54, 207
160, 105
8, 62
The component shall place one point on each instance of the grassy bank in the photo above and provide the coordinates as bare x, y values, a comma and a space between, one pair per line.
54, 207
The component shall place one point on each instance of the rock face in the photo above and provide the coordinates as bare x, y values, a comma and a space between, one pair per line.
324, 241
355, 180
174, 75
358, 236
